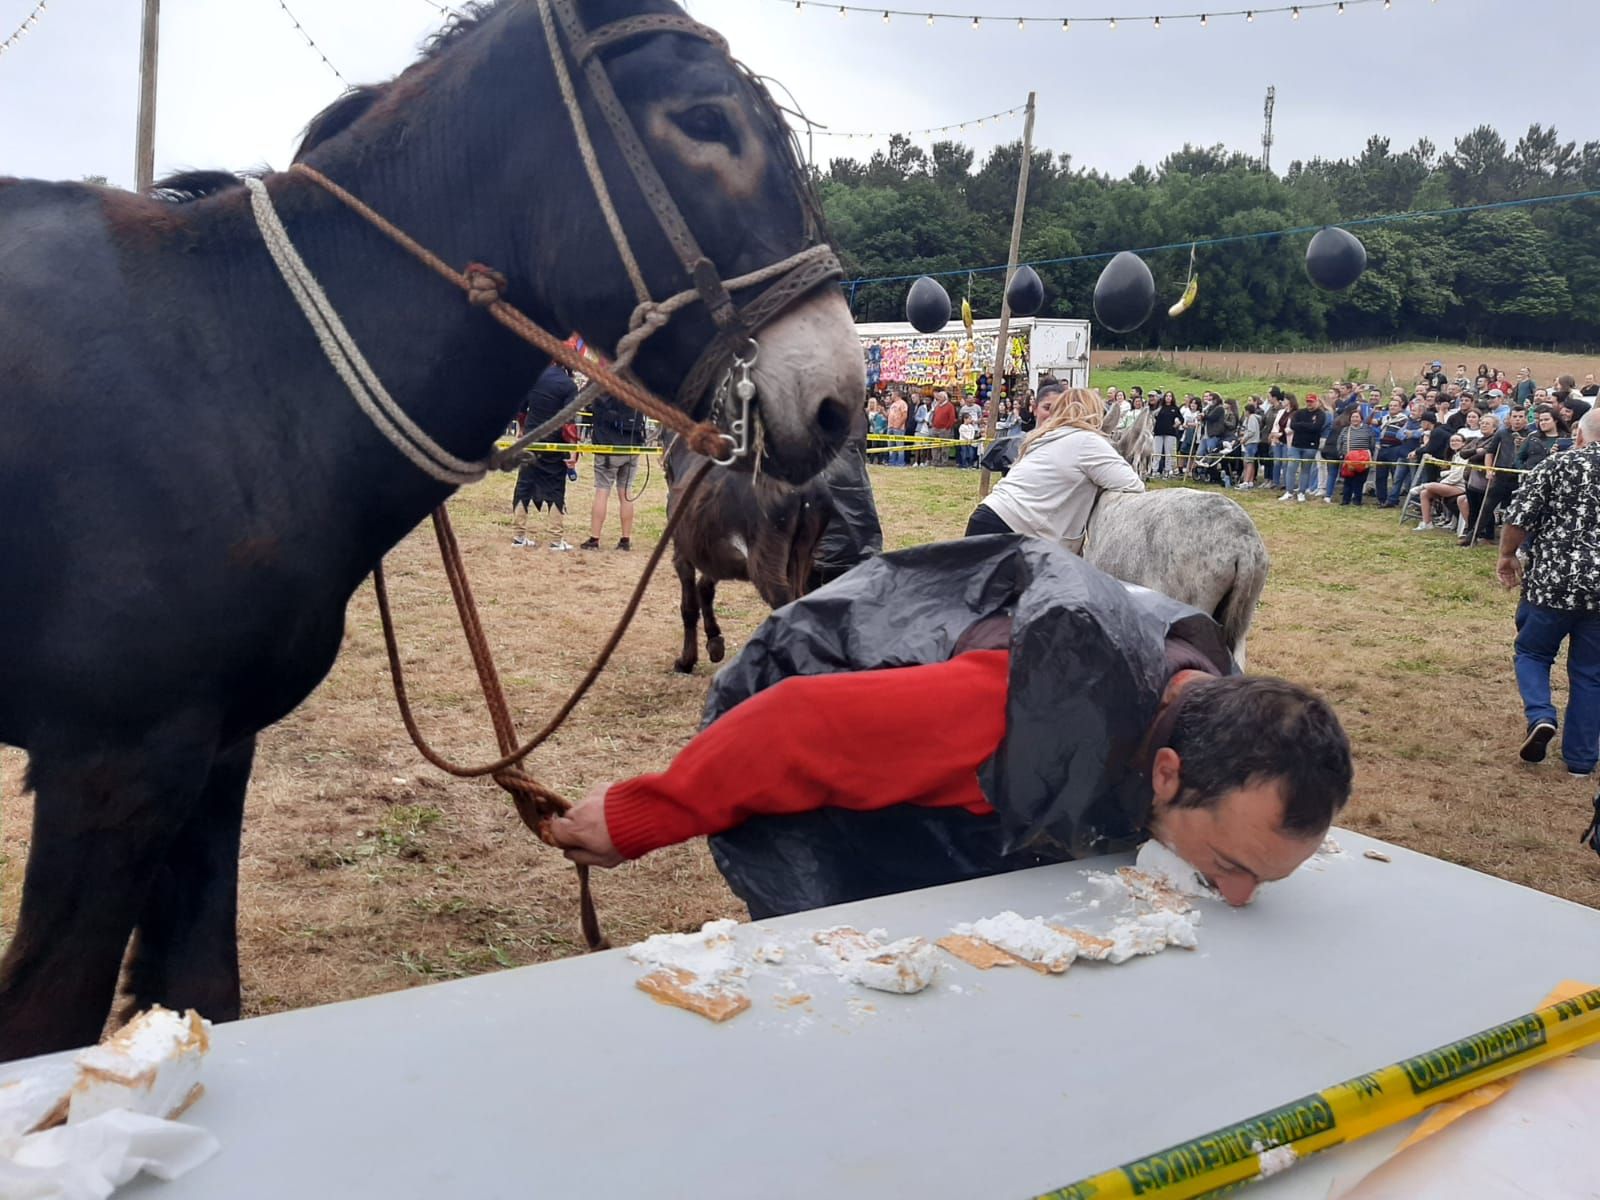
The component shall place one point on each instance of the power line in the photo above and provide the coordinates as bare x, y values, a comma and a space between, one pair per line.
1110, 21
1386, 219
21, 31
316, 49
822, 131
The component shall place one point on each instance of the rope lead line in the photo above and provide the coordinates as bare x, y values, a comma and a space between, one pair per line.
346, 358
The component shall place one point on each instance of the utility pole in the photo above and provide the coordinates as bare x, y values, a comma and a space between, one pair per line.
1005, 295
144, 159
1266, 134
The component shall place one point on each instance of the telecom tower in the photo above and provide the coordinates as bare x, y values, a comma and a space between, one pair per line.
1266, 134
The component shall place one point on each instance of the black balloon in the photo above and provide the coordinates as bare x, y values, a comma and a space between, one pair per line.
927, 305
1335, 258
1025, 293
1125, 293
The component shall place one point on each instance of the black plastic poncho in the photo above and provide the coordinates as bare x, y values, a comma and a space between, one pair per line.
1088, 666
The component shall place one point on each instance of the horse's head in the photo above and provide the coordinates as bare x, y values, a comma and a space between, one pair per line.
720, 181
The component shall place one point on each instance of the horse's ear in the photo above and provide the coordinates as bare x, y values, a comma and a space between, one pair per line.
338, 116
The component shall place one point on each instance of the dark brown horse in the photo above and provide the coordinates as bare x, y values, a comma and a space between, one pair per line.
738, 527
187, 588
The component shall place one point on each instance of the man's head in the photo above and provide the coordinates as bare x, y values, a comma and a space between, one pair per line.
1254, 774
1587, 431
1517, 420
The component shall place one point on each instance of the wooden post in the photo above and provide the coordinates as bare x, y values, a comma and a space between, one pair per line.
144, 163
1005, 299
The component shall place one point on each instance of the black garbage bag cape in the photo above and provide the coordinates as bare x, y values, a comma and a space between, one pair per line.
1088, 667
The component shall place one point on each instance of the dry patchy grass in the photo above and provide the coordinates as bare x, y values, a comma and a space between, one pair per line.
365, 871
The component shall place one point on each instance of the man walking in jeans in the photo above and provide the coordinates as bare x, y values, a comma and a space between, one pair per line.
1555, 517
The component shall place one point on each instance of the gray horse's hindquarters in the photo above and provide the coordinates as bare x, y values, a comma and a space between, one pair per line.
1062, 781
1199, 548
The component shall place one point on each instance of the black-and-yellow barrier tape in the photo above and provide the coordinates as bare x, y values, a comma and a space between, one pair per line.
1349, 1110
1372, 464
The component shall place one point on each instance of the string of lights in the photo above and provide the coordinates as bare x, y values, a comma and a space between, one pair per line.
820, 131
316, 49
1151, 20
21, 31
1231, 239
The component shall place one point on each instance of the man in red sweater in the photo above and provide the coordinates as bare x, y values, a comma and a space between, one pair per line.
807, 803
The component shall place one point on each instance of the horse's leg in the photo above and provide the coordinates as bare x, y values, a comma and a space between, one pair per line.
102, 821
715, 647
185, 950
690, 610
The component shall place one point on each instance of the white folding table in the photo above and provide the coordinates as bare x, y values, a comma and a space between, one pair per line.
563, 1080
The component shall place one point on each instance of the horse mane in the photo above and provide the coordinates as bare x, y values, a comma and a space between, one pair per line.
185, 187
339, 116
461, 23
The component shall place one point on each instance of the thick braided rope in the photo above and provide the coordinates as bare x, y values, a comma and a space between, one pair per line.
346, 358
591, 164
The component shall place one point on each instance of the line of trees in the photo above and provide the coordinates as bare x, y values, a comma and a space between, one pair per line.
1510, 276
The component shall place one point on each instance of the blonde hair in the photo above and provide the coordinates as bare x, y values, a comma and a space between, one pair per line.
1074, 408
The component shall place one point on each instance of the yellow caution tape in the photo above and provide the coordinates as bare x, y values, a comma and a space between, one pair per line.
1349, 1110
581, 448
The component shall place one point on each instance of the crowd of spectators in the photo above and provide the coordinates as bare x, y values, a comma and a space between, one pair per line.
1453, 446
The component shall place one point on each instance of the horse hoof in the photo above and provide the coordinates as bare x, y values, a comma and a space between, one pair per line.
683, 668
715, 649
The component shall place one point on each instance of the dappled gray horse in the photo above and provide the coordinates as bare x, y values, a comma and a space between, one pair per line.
1197, 547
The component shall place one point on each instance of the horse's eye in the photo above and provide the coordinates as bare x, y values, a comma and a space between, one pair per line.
704, 123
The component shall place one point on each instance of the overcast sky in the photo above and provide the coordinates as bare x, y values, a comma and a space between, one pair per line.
238, 83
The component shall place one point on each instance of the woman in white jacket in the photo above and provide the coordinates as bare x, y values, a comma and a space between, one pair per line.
1064, 464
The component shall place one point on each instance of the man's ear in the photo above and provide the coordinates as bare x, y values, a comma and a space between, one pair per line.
1166, 776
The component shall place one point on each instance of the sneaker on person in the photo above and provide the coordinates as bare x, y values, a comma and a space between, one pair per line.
1422, 527
519, 541
624, 543
590, 544
1287, 496
1537, 741
1302, 497
1327, 499
561, 545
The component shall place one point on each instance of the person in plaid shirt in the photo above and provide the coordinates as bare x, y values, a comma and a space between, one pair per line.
1555, 519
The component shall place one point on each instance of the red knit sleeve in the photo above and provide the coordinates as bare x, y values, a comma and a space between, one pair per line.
825, 740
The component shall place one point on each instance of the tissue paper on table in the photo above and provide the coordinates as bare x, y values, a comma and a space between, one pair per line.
75, 1130
88, 1161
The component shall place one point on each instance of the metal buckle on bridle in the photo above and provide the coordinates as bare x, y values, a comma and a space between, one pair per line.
742, 389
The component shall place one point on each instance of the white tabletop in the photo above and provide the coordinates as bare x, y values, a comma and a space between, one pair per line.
564, 1080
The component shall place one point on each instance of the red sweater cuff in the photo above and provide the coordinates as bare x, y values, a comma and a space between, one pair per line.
641, 819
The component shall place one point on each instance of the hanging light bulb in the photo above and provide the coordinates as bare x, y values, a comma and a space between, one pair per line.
1158, 22
1203, 20
1066, 24
1387, 5
797, 5
886, 16
974, 22
930, 18
1021, 24
842, 13
1294, 13
1249, 16
1113, 22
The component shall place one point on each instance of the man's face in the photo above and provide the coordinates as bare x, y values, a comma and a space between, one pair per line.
1415, 409
1395, 407
1518, 420
1238, 843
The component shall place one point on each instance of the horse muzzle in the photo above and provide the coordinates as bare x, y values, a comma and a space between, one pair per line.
810, 382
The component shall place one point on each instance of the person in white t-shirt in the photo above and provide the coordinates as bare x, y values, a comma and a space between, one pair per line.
967, 452
1064, 464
